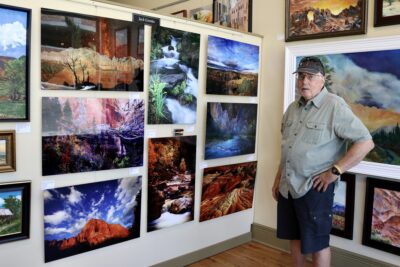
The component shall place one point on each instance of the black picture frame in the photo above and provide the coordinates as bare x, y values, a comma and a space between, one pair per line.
18, 97
25, 188
347, 232
217, 15
388, 193
380, 19
324, 34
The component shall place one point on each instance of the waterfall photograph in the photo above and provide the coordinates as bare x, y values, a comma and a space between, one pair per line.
173, 77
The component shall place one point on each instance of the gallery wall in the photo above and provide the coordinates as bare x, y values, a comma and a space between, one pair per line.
149, 248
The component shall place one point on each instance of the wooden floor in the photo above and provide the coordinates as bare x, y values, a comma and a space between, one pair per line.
251, 254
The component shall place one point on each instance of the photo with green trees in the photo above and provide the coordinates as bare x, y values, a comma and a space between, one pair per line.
10, 212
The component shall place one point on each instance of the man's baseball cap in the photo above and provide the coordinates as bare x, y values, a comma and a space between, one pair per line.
310, 65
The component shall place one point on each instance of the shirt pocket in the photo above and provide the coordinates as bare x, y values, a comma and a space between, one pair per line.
313, 132
286, 128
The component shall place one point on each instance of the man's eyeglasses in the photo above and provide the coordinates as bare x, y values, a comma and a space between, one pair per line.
311, 77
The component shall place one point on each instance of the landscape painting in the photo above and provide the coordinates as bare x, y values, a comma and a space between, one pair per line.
232, 67
171, 181
343, 207
14, 63
3, 152
7, 151
85, 217
390, 8
80, 52
174, 71
202, 14
369, 82
381, 217
227, 189
310, 19
236, 14
14, 211
387, 12
91, 134
230, 130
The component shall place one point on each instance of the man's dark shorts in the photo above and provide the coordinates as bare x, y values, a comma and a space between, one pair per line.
308, 219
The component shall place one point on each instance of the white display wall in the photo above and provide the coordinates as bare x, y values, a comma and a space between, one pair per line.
149, 248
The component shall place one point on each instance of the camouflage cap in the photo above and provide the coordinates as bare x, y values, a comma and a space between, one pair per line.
311, 65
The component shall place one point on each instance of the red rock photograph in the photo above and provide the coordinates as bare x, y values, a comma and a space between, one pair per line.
227, 189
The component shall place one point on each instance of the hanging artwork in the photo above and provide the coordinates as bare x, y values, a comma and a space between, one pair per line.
227, 189
81, 52
174, 72
232, 67
236, 14
366, 75
381, 215
15, 201
343, 207
202, 14
171, 175
387, 12
85, 217
231, 130
14, 63
311, 19
7, 151
91, 134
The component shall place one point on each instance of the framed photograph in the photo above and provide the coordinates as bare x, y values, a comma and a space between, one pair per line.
310, 19
236, 14
85, 217
343, 207
230, 130
181, 13
91, 134
381, 221
15, 23
365, 74
7, 151
387, 12
174, 70
15, 203
171, 181
82, 52
202, 14
232, 67
227, 189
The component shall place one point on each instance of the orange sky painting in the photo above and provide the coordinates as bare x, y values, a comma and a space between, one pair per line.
336, 6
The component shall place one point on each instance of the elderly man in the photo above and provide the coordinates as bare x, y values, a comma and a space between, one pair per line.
316, 130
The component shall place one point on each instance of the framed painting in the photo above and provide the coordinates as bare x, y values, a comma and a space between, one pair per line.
81, 52
85, 217
236, 14
174, 70
202, 14
381, 223
387, 12
15, 25
230, 130
232, 67
365, 74
343, 207
7, 151
311, 19
15, 206
171, 181
227, 189
91, 134
181, 13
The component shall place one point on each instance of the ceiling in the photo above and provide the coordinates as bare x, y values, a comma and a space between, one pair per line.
149, 4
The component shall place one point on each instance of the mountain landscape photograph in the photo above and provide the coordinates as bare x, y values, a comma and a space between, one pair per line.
229, 72
230, 130
227, 189
339, 207
369, 82
14, 61
81, 52
91, 134
171, 181
85, 217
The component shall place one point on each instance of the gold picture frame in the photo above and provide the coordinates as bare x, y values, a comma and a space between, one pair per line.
7, 151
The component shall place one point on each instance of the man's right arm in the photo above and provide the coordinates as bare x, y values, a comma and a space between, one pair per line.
275, 187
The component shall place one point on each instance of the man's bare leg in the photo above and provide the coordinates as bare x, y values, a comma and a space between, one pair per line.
322, 258
299, 260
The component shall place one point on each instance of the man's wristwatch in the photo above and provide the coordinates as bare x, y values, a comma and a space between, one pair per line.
335, 170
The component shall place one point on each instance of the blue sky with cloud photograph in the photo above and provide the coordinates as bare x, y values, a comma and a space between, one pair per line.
13, 33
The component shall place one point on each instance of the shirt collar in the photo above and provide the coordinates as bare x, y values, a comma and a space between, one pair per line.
317, 100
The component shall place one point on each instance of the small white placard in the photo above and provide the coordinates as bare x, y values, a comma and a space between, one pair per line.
133, 95
203, 165
251, 157
190, 129
133, 171
280, 36
23, 127
151, 133
48, 184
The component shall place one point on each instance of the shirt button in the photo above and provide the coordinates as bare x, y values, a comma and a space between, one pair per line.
295, 134
301, 121
288, 161
290, 146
